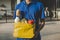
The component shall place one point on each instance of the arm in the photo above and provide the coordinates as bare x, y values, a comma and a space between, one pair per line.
41, 24
17, 13
17, 19
42, 19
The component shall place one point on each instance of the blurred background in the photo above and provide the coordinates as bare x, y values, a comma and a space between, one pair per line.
51, 31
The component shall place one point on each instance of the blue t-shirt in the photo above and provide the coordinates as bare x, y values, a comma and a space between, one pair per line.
32, 11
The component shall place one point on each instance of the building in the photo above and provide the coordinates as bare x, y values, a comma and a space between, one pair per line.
52, 4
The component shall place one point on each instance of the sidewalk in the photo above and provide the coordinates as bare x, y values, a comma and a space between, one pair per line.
51, 31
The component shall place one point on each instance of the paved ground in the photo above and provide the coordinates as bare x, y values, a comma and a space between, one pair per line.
51, 31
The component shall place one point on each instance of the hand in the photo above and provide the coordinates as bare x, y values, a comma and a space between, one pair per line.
36, 34
41, 25
17, 19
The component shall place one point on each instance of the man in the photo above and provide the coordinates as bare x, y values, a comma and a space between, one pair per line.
31, 10
46, 12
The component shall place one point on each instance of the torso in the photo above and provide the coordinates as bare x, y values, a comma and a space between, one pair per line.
30, 12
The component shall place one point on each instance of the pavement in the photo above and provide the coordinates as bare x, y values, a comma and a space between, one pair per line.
51, 31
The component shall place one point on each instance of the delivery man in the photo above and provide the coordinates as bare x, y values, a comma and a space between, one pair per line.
31, 10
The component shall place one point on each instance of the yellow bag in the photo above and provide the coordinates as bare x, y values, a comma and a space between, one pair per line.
23, 30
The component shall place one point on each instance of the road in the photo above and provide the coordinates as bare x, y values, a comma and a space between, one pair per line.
51, 31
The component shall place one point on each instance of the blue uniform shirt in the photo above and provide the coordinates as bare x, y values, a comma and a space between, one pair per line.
32, 11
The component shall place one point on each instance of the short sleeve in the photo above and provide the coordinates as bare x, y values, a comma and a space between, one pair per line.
42, 12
